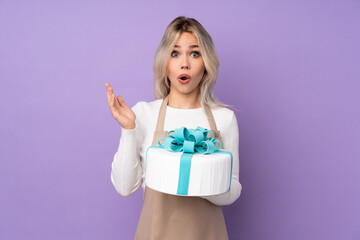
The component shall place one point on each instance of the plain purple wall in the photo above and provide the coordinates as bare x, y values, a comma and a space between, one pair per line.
290, 67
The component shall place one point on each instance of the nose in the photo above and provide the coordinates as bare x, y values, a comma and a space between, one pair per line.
185, 63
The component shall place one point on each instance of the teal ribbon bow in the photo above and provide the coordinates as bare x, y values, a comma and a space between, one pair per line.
188, 141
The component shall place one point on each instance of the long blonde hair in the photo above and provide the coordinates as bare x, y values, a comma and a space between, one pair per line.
209, 55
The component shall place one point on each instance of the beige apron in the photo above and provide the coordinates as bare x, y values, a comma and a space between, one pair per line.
172, 217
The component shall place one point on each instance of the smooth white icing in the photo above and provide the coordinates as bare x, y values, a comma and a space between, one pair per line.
209, 173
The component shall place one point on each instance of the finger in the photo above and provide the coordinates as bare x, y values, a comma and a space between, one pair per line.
111, 104
121, 101
115, 107
121, 104
108, 94
112, 95
120, 109
116, 104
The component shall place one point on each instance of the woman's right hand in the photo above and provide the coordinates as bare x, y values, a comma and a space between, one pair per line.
119, 110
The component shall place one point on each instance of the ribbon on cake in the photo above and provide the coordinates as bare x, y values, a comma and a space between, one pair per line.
188, 141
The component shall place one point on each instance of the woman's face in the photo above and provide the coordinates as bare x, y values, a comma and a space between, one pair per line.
185, 59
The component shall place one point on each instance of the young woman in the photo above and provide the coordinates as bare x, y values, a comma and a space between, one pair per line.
185, 71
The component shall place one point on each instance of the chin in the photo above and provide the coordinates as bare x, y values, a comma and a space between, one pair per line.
186, 91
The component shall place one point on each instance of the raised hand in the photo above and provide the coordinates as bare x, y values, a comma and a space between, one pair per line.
119, 110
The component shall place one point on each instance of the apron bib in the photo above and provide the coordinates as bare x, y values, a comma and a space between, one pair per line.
171, 217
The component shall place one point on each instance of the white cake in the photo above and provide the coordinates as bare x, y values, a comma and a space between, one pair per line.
210, 174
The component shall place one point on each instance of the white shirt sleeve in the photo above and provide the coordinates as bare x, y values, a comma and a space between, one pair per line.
126, 167
231, 143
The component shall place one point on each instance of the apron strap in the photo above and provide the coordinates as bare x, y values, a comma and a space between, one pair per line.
162, 112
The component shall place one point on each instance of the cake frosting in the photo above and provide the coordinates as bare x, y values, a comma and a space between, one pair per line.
207, 171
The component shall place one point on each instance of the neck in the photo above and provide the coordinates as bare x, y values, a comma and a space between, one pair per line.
182, 101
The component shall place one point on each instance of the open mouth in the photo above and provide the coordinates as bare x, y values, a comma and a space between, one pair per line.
184, 78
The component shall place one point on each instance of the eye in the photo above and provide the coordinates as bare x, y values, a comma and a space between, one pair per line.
196, 53
172, 54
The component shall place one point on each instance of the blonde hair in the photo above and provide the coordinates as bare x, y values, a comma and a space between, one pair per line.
209, 55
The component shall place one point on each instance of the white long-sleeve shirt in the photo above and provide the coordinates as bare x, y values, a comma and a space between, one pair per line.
128, 166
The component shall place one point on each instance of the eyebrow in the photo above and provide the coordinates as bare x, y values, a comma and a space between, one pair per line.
191, 46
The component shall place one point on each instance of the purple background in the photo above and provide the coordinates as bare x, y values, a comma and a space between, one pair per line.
291, 68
